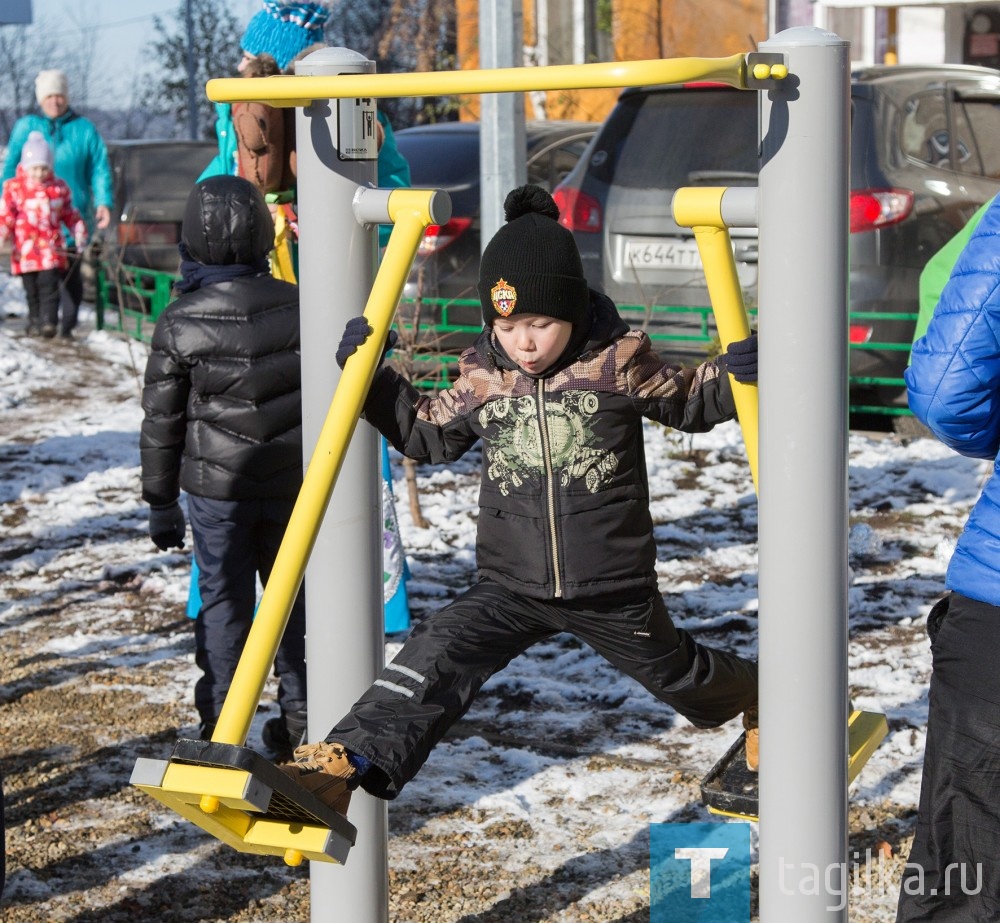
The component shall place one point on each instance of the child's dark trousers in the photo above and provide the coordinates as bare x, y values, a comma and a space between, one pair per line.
436, 675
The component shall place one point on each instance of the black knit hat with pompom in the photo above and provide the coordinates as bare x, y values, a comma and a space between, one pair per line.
532, 264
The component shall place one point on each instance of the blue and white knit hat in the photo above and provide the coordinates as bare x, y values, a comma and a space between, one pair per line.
282, 30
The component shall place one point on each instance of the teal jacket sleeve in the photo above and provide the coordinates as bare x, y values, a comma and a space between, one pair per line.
393, 169
223, 163
100, 170
18, 135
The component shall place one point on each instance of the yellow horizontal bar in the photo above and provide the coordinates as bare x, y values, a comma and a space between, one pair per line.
296, 90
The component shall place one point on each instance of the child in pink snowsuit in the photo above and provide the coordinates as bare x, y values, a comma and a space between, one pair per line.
35, 205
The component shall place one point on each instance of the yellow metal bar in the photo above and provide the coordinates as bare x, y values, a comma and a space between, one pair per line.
865, 731
701, 210
289, 90
292, 841
281, 256
410, 212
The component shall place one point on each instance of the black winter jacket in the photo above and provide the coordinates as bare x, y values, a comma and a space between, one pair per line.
564, 501
222, 402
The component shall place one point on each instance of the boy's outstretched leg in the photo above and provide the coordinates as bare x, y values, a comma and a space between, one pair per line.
706, 685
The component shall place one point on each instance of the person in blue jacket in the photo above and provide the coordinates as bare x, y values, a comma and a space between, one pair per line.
80, 160
953, 384
286, 31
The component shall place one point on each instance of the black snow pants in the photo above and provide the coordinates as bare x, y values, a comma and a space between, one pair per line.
234, 541
41, 290
953, 873
438, 672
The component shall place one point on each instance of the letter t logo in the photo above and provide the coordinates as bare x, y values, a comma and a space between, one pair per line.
701, 866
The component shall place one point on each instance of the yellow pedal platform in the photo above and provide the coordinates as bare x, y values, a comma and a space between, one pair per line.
730, 789
246, 801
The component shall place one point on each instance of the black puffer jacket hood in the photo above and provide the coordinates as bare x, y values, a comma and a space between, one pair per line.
226, 221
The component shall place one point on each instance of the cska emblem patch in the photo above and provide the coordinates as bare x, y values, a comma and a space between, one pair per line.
504, 298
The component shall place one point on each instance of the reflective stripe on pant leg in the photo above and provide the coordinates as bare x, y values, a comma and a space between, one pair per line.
434, 679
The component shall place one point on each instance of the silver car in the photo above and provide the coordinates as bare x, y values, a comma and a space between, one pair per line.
925, 154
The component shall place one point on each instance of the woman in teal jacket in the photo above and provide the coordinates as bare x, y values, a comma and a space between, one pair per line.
281, 33
80, 160
393, 169
953, 384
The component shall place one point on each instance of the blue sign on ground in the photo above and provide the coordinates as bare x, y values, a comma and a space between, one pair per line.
699, 873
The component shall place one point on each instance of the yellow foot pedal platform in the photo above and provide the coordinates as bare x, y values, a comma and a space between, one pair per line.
731, 789
244, 800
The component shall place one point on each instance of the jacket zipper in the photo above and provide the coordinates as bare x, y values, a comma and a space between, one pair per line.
550, 487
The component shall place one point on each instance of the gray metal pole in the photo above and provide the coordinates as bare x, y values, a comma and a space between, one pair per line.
803, 481
192, 92
345, 645
502, 142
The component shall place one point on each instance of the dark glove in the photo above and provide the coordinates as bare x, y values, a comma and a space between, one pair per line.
355, 334
167, 526
741, 359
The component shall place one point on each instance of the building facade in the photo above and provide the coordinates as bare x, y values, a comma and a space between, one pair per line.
582, 31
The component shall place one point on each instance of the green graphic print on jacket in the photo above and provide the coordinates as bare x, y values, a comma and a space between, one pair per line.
518, 453
564, 498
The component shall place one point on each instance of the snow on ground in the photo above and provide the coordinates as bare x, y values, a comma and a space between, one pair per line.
556, 772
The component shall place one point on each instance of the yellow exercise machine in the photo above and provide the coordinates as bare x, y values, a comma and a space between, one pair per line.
730, 788
221, 785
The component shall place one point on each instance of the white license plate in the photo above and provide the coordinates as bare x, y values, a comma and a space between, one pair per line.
662, 254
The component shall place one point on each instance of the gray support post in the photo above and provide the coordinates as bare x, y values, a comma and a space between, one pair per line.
345, 643
803, 481
502, 146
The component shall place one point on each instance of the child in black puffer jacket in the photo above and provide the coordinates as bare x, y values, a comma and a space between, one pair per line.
223, 422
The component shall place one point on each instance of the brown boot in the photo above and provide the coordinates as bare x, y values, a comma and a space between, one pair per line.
750, 722
323, 770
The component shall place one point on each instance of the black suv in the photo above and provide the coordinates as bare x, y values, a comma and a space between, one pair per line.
925, 154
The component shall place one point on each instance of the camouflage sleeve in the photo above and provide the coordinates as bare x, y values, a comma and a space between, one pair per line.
426, 428
692, 400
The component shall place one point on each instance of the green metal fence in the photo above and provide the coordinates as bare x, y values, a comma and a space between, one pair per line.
130, 299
